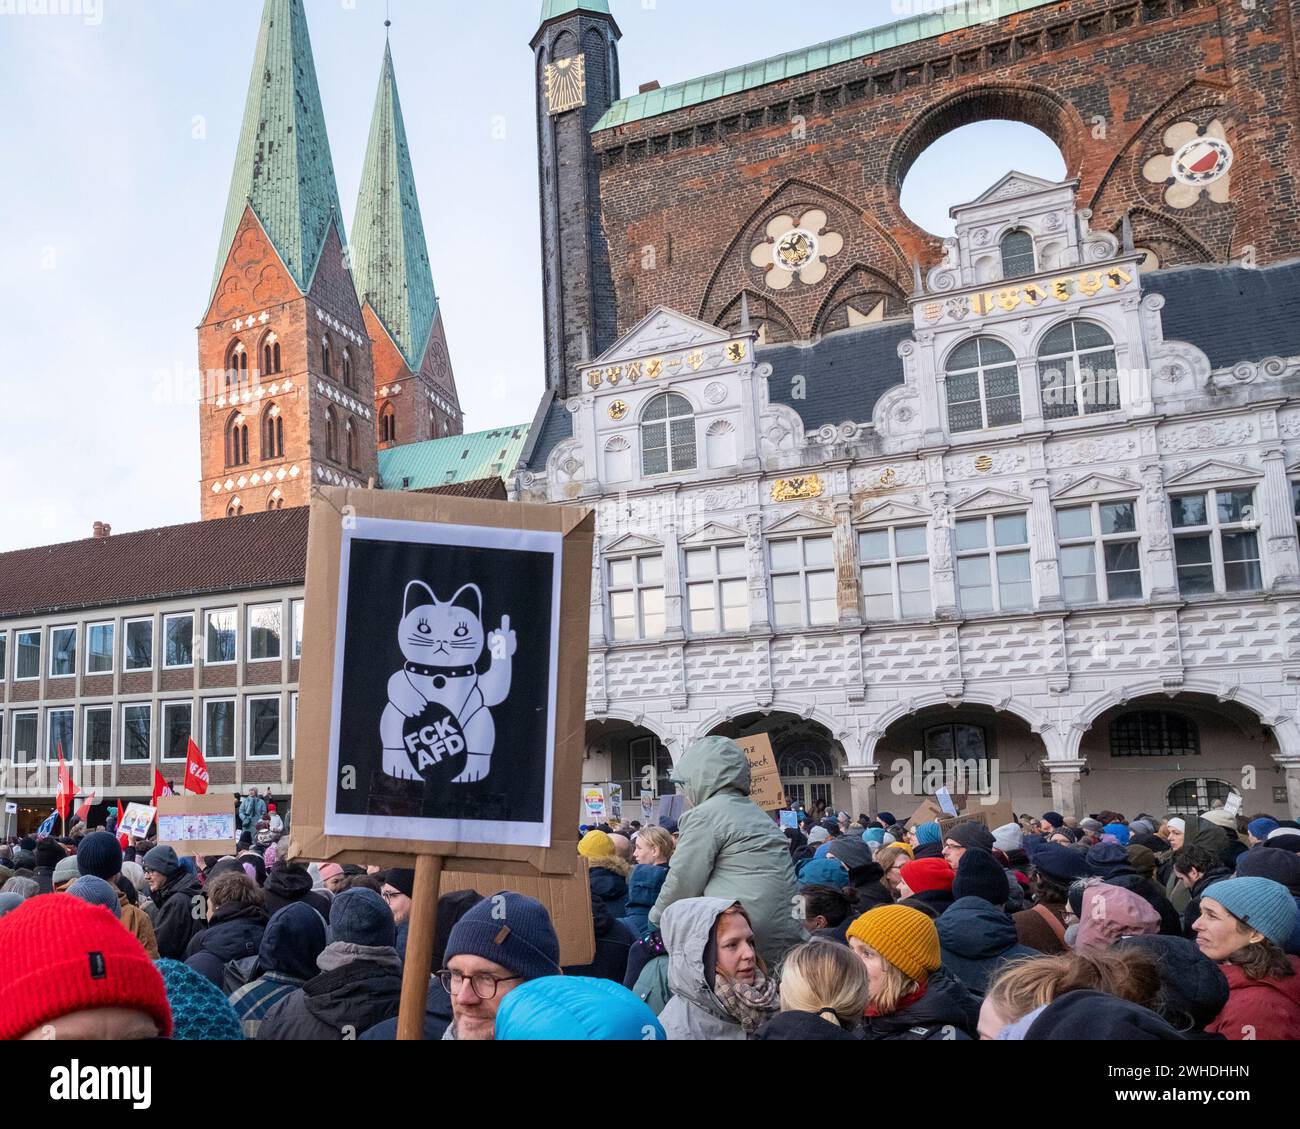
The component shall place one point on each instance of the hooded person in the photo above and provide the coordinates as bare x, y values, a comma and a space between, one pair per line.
1282, 867
178, 896
1099, 1017
575, 1009
607, 872
1110, 862
200, 1013
237, 920
728, 848
866, 876
100, 855
69, 971
360, 978
1193, 989
911, 997
720, 985
286, 959
976, 938
1243, 924
289, 882
1108, 913
926, 885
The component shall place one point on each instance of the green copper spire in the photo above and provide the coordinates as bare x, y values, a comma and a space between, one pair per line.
553, 8
390, 260
283, 166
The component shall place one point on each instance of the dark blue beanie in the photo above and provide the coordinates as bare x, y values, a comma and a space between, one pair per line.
513, 930
100, 855
1054, 818
980, 875
361, 917
1104, 859
1061, 864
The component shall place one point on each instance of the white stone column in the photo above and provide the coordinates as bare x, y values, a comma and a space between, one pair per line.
1067, 786
667, 503
862, 788
1157, 536
1278, 524
1042, 542
758, 614
848, 589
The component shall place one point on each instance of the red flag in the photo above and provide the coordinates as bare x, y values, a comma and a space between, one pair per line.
122, 838
83, 812
196, 770
67, 789
159, 788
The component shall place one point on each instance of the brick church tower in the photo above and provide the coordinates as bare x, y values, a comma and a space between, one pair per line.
289, 388
415, 388
576, 51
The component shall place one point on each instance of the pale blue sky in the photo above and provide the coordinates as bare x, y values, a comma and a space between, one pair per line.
119, 136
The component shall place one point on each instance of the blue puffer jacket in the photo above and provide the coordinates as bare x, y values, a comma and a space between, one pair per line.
610, 887
975, 938
642, 890
575, 1009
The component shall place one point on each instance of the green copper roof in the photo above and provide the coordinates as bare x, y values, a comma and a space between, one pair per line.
459, 458
964, 13
553, 8
390, 260
283, 166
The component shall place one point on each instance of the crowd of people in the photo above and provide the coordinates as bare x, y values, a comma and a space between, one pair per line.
721, 926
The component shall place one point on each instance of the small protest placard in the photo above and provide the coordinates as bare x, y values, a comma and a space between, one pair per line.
764, 779
136, 821
197, 825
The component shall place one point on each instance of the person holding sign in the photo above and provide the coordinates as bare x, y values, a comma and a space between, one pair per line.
729, 848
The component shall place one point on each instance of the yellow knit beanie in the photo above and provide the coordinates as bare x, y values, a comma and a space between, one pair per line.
904, 936
596, 845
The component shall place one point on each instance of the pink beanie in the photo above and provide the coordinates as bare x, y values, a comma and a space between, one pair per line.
1112, 912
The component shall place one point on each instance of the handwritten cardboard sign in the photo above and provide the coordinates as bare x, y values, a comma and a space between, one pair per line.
197, 825
764, 779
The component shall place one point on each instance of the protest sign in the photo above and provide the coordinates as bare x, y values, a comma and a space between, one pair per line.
593, 804
136, 821
764, 779
649, 809
197, 825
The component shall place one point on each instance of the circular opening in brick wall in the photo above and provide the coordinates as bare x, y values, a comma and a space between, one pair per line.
967, 161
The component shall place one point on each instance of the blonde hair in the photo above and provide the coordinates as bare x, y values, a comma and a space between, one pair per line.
887, 856
659, 838
894, 987
825, 978
1026, 985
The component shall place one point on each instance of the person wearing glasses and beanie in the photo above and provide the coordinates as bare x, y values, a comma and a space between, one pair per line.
504, 941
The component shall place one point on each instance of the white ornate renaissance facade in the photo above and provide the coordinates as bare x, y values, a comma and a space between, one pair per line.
1047, 525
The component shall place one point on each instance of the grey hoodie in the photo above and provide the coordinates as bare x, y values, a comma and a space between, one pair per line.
694, 1012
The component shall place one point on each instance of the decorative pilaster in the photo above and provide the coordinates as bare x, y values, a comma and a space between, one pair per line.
1067, 786
1042, 540
847, 585
758, 613
1278, 525
673, 628
862, 788
1158, 536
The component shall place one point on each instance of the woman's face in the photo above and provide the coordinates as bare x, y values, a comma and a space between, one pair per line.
1176, 839
736, 957
991, 1022
646, 853
904, 890
1219, 934
872, 961
894, 875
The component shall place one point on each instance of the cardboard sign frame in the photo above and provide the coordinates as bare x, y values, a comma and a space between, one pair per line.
198, 805
330, 508
765, 787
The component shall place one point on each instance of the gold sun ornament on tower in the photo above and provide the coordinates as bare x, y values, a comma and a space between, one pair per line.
796, 248
566, 84
1196, 162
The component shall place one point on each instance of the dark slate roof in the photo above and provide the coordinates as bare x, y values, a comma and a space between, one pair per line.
553, 429
844, 373
1231, 313
483, 489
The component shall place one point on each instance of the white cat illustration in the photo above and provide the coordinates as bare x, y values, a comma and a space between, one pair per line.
442, 643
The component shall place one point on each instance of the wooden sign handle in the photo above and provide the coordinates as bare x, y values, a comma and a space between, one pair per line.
421, 928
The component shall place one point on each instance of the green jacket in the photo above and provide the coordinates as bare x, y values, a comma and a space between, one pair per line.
729, 848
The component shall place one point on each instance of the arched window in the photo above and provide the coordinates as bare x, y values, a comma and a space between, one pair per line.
347, 368
271, 356
983, 385
668, 435
237, 440
276, 501
351, 434
1191, 797
272, 433
325, 359
236, 367
1154, 733
1076, 371
388, 425
331, 435
618, 460
1017, 254
434, 430
720, 444
235, 509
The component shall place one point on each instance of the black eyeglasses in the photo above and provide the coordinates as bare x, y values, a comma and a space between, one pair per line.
483, 983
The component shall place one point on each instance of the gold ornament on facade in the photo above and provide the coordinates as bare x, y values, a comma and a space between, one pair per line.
797, 489
618, 410
796, 247
984, 464
736, 352
566, 84
888, 476
1197, 162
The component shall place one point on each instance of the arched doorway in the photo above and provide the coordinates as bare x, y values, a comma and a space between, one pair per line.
631, 757
808, 757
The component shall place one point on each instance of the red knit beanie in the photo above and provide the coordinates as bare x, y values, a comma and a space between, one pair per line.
927, 874
59, 955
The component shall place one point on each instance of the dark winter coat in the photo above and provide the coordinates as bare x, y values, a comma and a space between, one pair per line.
975, 939
610, 888
865, 875
642, 890
945, 1011
928, 851
1193, 910
289, 882
182, 914
358, 987
234, 933
801, 1027
437, 1018
614, 940
930, 902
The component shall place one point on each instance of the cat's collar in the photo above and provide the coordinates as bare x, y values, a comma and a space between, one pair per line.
445, 671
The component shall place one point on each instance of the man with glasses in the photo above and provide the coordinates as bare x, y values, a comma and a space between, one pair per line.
963, 837
502, 942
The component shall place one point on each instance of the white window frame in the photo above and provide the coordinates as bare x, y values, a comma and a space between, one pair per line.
1098, 542
70, 749
208, 613
669, 448
637, 588
992, 551
716, 578
111, 624
980, 373
1214, 529
163, 709
75, 642
804, 571
250, 700
293, 724
4, 659
14, 718
894, 561
278, 605
86, 731
125, 731
162, 641
297, 622
40, 644
208, 755
153, 643
1073, 358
